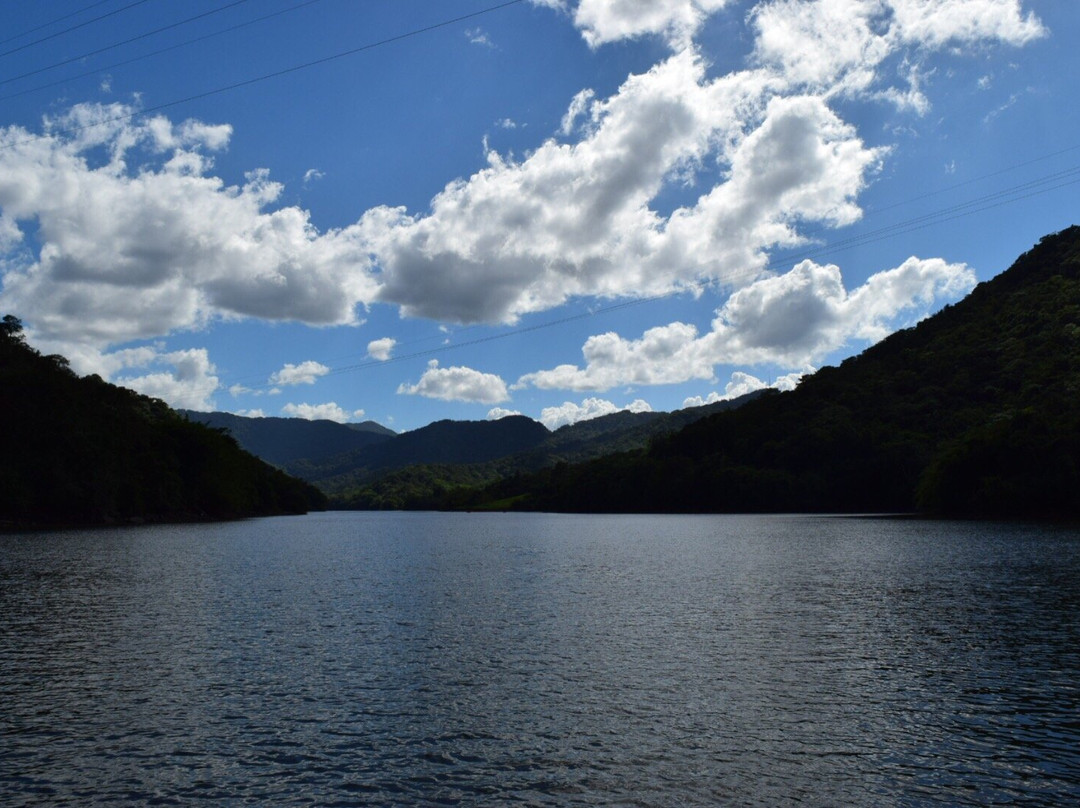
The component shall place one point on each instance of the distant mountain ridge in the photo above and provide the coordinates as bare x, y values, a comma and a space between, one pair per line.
422, 479
284, 441
347, 459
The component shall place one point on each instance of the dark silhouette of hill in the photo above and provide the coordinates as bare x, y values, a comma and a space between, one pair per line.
458, 442
624, 431
80, 451
974, 412
284, 441
410, 482
441, 443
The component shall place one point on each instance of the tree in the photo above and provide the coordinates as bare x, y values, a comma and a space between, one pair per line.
11, 327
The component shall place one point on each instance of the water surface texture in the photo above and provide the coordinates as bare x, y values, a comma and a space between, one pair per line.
372, 659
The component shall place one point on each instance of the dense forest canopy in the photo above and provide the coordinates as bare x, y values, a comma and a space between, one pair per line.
82, 451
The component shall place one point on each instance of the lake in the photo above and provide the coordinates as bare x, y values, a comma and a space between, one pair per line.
468, 659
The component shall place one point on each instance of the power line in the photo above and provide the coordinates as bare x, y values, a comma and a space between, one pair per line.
976, 205
74, 27
986, 202
278, 73
160, 51
979, 178
156, 31
979, 204
53, 22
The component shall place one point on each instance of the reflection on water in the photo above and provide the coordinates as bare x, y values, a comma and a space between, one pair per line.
552, 660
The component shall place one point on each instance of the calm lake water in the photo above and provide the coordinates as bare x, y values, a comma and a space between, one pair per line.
355, 659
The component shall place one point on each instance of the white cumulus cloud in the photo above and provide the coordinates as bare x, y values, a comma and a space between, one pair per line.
839, 46
149, 242
381, 349
188, 382
935, 23
329, 411
603, 21
791, 320
457, 384
570, 413
741, 384
579, 218
304, 373
495, 413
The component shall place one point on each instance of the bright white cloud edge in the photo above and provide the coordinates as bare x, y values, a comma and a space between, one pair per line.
792, 320
304, 373
457, 384
330, 411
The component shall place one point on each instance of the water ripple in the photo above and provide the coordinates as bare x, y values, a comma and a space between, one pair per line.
400, 659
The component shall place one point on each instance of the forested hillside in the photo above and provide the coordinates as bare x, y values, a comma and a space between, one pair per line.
80, 451
974, 412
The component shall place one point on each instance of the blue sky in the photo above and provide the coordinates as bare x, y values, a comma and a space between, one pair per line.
554, 207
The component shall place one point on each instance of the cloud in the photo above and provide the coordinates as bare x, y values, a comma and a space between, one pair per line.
148, 242
189, 384
741, 384
304, 373
579, 218
184, 379
478, 36
935, 23
313, 174
579, 106
115, 230
792, 320
927, 23
495, 413
666, 354
251, 413
321, 412
603, 21
570, 413
381, 348
574, 219
840, 46
457, 384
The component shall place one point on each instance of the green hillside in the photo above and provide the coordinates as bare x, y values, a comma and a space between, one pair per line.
80, 451
974, 412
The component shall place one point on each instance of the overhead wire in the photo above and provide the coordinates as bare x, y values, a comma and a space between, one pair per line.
44, 25
973, 180
121, 43
979, 204
161, 51
275, 74
112, 13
